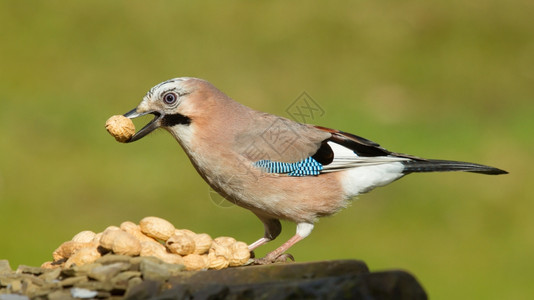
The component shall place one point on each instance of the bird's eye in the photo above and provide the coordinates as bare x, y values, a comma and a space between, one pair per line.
170, 98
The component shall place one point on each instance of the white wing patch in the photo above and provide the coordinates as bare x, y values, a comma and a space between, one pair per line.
345, 158
361, 173
361, 180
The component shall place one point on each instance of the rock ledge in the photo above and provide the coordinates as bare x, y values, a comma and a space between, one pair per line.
119, 277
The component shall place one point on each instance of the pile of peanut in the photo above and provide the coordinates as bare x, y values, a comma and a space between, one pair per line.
152, 237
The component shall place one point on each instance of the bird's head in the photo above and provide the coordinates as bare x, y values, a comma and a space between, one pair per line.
171, 102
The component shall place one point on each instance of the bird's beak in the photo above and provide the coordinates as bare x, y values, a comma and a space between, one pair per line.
151, 126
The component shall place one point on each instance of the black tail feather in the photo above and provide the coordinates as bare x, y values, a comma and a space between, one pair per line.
435, 165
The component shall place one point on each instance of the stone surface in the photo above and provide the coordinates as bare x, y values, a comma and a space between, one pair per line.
147, 289
153, 271
13, 297
111, 259
106, 272
82, 293
122, 277
29, 270
329, 280
4, 266
50, 275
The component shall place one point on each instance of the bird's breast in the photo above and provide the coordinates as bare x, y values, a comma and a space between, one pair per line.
235, 177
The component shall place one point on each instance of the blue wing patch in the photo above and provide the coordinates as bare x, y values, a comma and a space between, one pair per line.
306, 167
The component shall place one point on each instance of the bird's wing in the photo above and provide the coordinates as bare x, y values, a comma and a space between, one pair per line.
313, 153
273, 138
346, 158
350, 151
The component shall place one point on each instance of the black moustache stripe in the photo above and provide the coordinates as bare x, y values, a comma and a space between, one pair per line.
175, 119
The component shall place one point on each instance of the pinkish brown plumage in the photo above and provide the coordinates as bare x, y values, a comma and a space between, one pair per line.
273, 166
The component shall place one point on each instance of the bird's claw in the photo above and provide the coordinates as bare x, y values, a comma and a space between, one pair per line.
283, 258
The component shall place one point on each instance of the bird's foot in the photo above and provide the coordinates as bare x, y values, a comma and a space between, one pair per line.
271, 259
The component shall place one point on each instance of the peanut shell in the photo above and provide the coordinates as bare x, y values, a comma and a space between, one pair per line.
225, 241
202, 243
157, 228
221, 248
181, 244
158, 250
67, 249
135, 230
195, 262
240, 254
121, 128
97, 237
83, 256
50, 265
125, 244
108, 237
185, 231
151, 249
217, 262
86, 236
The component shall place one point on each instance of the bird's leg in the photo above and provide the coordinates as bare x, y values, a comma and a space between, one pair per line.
258, 243
272, 230
303, 230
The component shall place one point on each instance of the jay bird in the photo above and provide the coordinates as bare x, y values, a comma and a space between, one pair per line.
275, 167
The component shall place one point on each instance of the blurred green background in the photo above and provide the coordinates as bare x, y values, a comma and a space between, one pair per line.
440, 79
